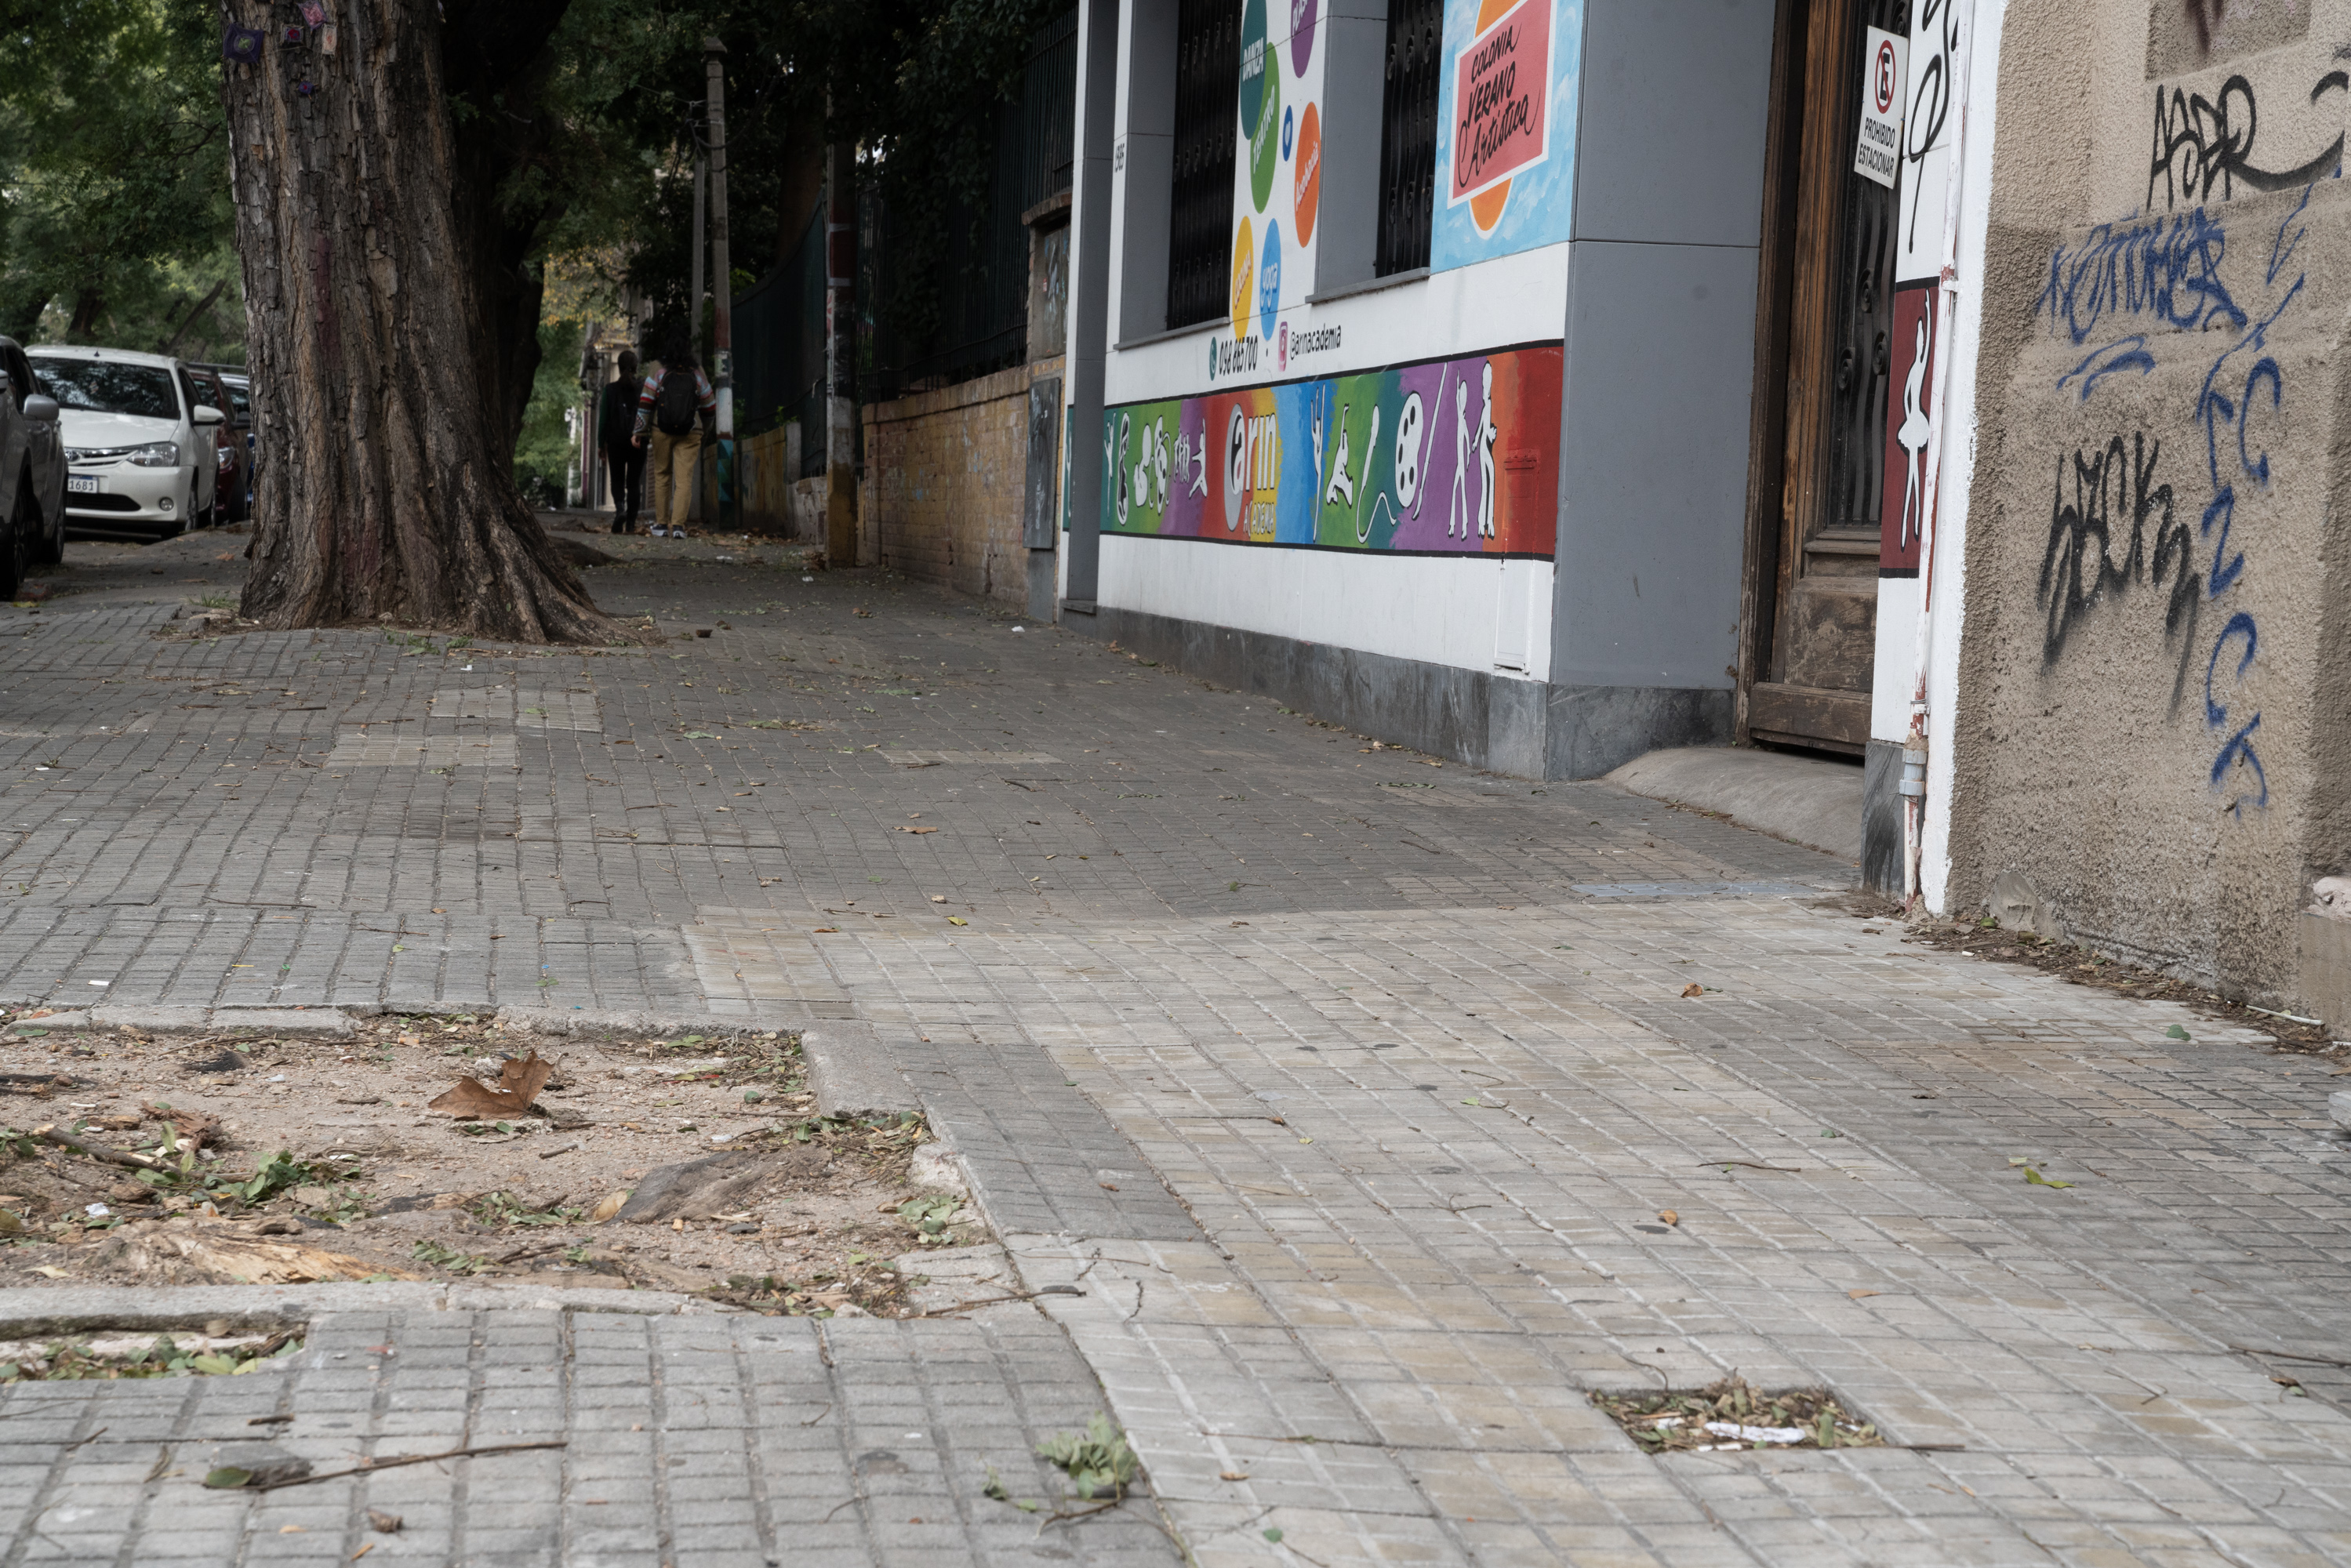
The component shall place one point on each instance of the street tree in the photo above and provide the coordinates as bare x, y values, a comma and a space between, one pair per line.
389, 499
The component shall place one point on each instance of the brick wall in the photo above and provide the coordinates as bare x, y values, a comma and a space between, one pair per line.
944, 475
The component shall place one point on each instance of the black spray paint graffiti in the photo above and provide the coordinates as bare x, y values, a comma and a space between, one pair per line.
2201, 144
1930, 103
2113, 492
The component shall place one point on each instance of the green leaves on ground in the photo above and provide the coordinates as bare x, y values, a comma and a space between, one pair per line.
929, 1215
1098, 1460
2035, 1178
439, 1257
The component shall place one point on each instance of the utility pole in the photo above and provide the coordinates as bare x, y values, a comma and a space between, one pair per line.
694, 294
722, 336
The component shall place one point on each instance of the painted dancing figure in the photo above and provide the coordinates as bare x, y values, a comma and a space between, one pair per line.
1457, 511
1912, 436
1487, 435
1341, 490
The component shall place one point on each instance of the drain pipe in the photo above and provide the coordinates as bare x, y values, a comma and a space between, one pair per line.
1913, 785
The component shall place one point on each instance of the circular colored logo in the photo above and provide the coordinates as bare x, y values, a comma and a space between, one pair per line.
1306, 171
1301, 34
1269, 282
1244, 275
1265, 139
1886, 75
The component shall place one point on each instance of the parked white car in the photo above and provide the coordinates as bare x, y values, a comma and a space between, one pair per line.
139, 446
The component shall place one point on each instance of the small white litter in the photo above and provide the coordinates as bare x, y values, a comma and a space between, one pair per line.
1758, 1434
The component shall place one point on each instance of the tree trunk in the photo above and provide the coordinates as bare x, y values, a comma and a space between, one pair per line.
383, 498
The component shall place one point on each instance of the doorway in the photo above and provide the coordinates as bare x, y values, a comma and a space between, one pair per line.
1809, 607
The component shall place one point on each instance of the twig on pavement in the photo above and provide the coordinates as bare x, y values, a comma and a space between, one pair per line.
404, 1459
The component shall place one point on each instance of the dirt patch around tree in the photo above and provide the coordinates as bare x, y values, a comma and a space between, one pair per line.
681, 1162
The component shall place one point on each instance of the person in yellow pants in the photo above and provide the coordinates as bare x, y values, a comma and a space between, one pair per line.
669, 413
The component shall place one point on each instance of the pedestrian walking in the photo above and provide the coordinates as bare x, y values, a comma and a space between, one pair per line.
670, 410
616, 432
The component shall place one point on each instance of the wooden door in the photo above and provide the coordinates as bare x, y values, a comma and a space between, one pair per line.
1812, 600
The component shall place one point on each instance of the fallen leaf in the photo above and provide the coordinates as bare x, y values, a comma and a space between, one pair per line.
518, 1084
1232, 1476
1859, 1295
2176, 1032
291, 1529
50, 1272
609, 1207
1693, 990
1670, 1216
2035, 1178
958, 920
903, 829
383, 1523
362, 1551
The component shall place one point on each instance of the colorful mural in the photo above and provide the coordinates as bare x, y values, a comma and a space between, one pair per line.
1447, 458
1506, 115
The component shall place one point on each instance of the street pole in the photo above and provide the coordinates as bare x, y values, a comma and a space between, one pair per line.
693, 308
722, 336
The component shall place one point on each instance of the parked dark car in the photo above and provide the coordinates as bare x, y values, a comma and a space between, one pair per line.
233, 483
32, 472
237, 382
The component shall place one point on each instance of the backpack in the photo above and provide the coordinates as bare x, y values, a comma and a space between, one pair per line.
675, 407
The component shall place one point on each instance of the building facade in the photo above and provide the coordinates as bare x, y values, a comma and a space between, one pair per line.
1942, 386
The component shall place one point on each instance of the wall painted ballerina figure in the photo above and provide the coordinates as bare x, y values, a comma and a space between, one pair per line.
1488, 434
1912, 436
1457, 511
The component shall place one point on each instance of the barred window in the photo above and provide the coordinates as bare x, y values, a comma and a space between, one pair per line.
1207, 111
1408, 134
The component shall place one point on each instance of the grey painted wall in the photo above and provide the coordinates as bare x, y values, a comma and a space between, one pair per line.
1660, 327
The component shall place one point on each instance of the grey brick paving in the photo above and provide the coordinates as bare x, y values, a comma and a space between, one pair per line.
1347, 1091
689, 1440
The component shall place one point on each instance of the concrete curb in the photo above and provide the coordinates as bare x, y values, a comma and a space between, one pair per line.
627, 1020
330, 1022
1807, 801
852, 1071
32, 1313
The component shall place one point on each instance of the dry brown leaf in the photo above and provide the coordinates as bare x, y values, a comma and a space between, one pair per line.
907, 830
1857, 1295
520, 1083
1232, 1475
1693, 990
608, 1206
1670, 1216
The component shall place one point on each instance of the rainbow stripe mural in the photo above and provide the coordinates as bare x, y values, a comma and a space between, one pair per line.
1445, 457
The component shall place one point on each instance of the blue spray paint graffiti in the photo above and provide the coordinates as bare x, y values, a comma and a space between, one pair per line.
2169, 268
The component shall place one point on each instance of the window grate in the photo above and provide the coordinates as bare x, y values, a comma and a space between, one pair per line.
1408, 134
1200, 201
1865, 318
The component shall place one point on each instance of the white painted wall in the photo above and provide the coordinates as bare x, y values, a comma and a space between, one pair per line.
1498, 304
1950, 541
1445, 611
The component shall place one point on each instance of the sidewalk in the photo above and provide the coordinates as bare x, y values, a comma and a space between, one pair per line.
1349, 1090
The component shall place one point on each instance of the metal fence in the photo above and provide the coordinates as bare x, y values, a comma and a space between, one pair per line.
779, 349
957, 306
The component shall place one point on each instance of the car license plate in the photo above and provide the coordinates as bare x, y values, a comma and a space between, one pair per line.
82, 484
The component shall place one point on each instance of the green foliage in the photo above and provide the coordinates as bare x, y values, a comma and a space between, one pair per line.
449, 1257
544, 453
273, 1175
1098, 1460
115, 223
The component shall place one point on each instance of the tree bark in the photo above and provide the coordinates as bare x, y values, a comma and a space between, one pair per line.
384, 500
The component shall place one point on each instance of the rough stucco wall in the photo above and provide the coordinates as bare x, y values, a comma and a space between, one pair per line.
944, 475
2151, 725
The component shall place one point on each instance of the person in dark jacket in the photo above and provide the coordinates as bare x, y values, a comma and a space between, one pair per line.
616, 432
